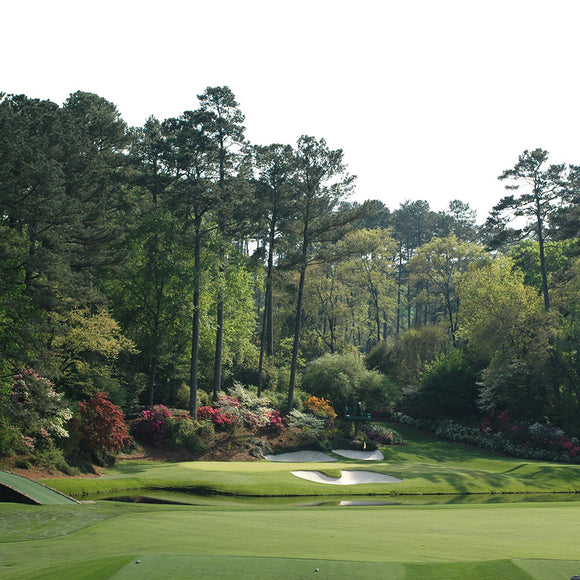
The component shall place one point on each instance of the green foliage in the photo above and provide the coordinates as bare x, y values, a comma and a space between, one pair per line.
406, 359
192, 435
344, 380
89, 345
440, 264
505, 322
53, 459
449, 387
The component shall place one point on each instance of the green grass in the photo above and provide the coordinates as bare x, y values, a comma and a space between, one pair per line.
237, 537
292, 542
426, 465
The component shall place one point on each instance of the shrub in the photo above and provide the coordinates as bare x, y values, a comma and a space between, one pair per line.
219, 418
518, 440
383, 435
52, 459
101, 426
406, 359
36, 409
449, 387
155, 425
275, 423
243, 407
309, 424
190, 435
320, 407
344, 380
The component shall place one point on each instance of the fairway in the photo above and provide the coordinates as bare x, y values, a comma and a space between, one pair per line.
537, 540
285, 532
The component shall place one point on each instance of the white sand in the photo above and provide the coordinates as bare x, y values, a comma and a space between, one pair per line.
347, 477
364, 455
301, 457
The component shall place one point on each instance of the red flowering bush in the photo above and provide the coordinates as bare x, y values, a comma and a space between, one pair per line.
101, 426
217, 416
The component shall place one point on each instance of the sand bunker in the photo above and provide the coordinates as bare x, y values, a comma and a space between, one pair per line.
347, 477
301, 457
364, 455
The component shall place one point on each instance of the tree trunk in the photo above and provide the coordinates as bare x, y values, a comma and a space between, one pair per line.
219, 344
296, 345
195, 323
262, 346
542, 258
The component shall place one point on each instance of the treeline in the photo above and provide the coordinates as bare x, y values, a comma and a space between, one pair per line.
160, 264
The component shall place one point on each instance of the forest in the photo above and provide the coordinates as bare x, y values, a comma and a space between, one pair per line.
167, 263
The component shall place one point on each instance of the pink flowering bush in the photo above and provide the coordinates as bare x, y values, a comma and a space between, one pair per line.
383, 435
275, 423
155, 425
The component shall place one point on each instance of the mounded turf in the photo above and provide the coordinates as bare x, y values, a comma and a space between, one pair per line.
31, 491
233, 537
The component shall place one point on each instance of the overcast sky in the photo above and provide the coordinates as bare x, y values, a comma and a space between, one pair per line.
428, 99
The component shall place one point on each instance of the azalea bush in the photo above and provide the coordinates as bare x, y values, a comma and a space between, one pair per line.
383, 435
155, 425
275, 423
320, 407
221, 419
532, 438
160, 426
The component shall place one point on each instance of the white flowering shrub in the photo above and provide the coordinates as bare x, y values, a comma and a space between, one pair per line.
37, 410
308, 423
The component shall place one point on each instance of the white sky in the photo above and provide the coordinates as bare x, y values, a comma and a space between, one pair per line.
429, 99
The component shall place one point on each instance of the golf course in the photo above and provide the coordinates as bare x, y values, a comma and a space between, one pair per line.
446, 511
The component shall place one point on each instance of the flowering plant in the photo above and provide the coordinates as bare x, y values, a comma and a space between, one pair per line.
321, 408
37, 408
242, 407
155, 425
218, 417
383, 435
275, 423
